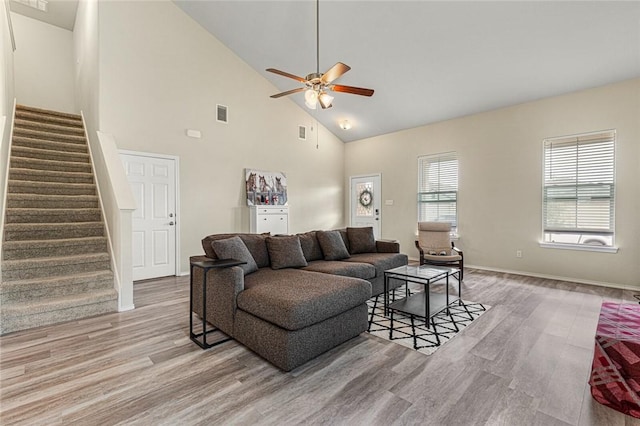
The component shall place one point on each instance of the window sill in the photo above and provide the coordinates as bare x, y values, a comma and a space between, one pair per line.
580, 247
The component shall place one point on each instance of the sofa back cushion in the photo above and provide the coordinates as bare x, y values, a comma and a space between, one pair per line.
332, 245
310, 246
234, 248
345, 237
255, 244
285, 252
361, 240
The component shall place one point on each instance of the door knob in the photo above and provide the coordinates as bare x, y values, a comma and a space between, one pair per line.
170, 214
171, 223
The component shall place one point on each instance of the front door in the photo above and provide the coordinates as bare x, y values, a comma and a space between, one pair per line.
153, 182
366, 203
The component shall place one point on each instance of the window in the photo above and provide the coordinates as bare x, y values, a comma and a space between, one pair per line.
438, 189
578, 197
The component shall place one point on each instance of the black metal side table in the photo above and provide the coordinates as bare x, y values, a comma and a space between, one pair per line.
206, 266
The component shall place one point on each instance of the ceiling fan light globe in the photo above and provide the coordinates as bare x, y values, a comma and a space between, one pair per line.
311, 96
325, 100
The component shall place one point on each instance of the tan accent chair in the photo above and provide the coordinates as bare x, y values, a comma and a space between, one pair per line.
436, 248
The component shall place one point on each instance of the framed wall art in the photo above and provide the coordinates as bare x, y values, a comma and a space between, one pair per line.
266, 188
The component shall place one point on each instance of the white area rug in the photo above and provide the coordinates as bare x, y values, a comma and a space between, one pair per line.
412, 332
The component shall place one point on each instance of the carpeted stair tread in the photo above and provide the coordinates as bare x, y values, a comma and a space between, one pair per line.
46, 231
20, 200
39, 134
49, 145
46, 112
62, 303
54, 266
51, 282
48, 127
22, 317
50, 188
48, 154
46, 262
40, 215
40, 164
15, 250
39, 289
48, 118
16, 173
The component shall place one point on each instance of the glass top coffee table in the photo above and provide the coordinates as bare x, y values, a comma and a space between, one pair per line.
424, 304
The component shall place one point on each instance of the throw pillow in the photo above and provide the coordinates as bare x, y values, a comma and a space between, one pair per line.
234, 248
285, 252
332, 245
361, 240
310, 246
257, 247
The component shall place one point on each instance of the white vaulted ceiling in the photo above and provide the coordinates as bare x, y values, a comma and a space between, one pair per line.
430, 61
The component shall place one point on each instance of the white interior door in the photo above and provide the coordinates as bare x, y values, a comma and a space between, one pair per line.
153, 181
366, 202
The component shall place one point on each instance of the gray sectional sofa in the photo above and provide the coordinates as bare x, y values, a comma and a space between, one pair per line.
298, 295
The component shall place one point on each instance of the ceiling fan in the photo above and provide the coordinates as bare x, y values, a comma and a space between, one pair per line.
317, 84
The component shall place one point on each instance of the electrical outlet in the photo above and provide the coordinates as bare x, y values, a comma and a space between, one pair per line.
518, 253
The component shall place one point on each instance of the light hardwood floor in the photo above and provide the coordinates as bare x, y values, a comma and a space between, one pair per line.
524, 362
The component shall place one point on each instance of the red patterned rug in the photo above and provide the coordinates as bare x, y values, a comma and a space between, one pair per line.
615, 373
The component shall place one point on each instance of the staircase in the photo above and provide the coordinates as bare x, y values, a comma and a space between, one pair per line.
56, 265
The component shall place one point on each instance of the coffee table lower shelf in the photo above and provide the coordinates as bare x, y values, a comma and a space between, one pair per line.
417, 305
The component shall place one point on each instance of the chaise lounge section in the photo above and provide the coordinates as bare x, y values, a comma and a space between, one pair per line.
299, 295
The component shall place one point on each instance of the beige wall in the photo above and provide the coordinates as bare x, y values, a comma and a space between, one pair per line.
85, 51
44, 75
500, 160
161, 73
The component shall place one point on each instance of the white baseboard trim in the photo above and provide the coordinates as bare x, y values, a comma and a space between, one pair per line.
555, 277
183, 274
126, 308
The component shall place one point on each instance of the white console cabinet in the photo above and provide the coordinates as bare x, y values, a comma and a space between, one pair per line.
274, 219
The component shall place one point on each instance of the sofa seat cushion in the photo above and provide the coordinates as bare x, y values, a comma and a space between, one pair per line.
381, 261
294, 299
365, 271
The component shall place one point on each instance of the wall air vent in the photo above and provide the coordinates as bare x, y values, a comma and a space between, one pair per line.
222, 114
41, 5
302, 133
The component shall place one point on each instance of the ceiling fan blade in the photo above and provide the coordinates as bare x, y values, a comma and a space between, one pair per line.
288, 92
286, 74
350, 89
334, 72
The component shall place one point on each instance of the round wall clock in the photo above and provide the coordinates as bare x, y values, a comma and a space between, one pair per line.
365, 198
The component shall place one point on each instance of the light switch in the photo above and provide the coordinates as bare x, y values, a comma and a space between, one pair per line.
388, 202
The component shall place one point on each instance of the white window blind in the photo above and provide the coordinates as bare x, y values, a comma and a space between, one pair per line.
438, 188
579, 181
